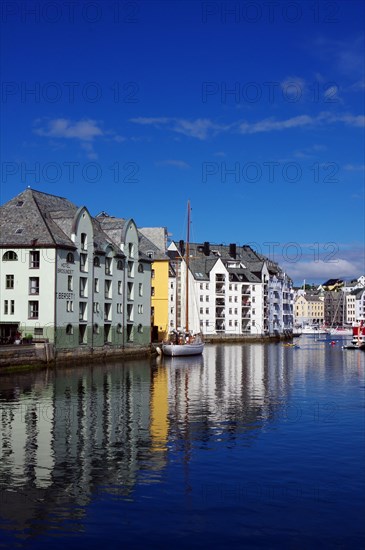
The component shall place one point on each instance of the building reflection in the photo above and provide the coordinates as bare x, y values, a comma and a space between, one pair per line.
71, 434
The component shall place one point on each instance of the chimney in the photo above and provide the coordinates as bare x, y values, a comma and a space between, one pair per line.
232, 250
206, 248
182, 247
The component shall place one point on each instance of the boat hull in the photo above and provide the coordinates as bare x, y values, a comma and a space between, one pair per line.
340, 331
177, 350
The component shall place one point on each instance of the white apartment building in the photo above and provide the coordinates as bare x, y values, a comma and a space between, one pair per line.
232, 291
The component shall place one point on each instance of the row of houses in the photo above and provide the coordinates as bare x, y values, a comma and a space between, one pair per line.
74, 280
344, 304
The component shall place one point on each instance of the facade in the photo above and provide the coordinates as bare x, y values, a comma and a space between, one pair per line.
232, 291
153, 244
70, 278
309, 309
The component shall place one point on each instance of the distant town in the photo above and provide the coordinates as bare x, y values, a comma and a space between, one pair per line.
75, 282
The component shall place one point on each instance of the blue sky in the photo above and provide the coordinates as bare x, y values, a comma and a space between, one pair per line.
252, 110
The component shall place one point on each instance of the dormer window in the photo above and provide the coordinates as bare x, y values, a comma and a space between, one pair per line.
19, 231
20, 203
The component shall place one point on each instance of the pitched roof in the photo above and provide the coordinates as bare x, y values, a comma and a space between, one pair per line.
27, 220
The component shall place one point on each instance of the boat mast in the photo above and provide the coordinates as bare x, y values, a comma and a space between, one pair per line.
187, 271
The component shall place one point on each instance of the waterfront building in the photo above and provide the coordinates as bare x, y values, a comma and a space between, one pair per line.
154, 244
70, 278
308, 308
232, 291
359, 294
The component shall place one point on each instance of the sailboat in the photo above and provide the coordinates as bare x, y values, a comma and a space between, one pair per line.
184, 343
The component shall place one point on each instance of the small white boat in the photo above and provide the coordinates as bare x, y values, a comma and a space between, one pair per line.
340, 331
313, 329
176, 350
184, 342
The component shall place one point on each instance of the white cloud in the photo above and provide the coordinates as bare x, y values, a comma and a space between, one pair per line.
203, 128
200, 128
337, 268
325, 117
84, 130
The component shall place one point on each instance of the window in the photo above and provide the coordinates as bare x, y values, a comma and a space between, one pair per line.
107, 311
82, 311
83, 241
69, 330
140, 328
108, 287
119, 264
96, 307
96, 285
6, 307
140, 289
140, 308
83, 262
152, 273
10, 256
152, 290
201, 286
131, 250
9, 282
38, 331
120, 287
33, 310
140, 268
207, 298
119, 328
83, 287
201, 298
96, 329
69, 282
96, 261
33, 285
119, 308
130, 269
108, 266
69, 306
70, 258
12, 307
207, 310
34, 259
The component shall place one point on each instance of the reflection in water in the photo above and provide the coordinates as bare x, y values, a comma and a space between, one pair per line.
70, 435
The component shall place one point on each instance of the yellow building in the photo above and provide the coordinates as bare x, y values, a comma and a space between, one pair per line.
153, 243
309, 308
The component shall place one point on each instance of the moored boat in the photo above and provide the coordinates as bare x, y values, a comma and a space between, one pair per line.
340, 331
358, 335
182, 343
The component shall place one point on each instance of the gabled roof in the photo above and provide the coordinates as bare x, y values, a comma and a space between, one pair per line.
146, 247
27, 220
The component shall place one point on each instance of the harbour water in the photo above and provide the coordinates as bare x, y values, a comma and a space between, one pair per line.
248, 446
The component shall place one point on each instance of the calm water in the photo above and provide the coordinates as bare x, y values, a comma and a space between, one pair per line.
255, 446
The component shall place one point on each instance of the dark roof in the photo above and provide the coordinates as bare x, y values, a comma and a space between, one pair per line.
332, 282
27, 220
